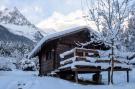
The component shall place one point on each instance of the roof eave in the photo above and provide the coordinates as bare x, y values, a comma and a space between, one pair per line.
36, 50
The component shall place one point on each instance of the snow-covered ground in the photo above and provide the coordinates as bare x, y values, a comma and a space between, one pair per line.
29, 80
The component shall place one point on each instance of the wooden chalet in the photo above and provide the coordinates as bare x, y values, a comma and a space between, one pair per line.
57, 53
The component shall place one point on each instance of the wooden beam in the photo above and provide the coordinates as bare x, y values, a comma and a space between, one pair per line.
84, 54
40, 67
108, 77
75, 52
121, 69
127, 76
76, 76
86, 69
85, 50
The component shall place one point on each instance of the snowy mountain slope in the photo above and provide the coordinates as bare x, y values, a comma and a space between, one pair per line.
6, 35
19, 25
25, 31
48, 30
13, 16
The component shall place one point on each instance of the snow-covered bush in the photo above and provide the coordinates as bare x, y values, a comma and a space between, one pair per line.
27, 64
6, 64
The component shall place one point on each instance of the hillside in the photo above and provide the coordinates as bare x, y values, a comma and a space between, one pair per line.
6, 35
16, 23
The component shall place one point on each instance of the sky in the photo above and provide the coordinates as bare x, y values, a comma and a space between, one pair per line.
52, 14
45, 12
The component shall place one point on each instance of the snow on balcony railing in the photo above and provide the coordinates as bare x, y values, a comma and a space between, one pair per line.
102, 65
86, 60
67, 53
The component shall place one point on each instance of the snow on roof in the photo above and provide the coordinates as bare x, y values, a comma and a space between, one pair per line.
55, 36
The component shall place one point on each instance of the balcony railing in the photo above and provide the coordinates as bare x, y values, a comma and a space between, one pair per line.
78, 54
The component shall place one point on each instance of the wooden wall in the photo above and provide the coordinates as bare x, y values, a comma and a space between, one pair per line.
58, 46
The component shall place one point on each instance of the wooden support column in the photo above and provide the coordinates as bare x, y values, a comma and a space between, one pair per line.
108, 77
53, 57
40, 72
84, 54
127, 76
76, 76
75, 52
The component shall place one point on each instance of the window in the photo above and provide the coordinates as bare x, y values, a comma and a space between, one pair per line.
48, 55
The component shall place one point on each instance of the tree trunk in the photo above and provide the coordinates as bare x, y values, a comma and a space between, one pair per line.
112, 63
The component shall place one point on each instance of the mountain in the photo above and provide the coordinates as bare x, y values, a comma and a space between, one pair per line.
13, 16
16, 23
49, 30
6, 35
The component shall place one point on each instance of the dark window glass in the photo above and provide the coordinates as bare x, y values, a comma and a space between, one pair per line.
48, 55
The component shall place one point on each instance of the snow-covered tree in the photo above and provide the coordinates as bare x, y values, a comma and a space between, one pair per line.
128, 36
16, 50
108, 16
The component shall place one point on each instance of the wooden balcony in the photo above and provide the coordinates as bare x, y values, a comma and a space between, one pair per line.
81, 60
77, 54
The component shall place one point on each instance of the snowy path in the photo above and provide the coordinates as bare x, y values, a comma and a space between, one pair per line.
16, 79
29, 80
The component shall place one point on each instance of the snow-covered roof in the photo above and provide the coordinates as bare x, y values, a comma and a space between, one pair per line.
55, 36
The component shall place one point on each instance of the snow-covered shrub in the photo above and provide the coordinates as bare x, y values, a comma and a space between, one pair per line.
6, 64
36, 61
27, 64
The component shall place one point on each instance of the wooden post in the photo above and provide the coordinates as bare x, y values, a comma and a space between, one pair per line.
84, 54
40, 72
76, 76
108, 77
74, 52
53, 57
127, 76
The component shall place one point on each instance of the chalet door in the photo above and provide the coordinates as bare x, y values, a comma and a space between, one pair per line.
57, 60
53, 58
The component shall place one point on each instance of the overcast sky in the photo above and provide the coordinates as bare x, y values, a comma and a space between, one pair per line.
57, 14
